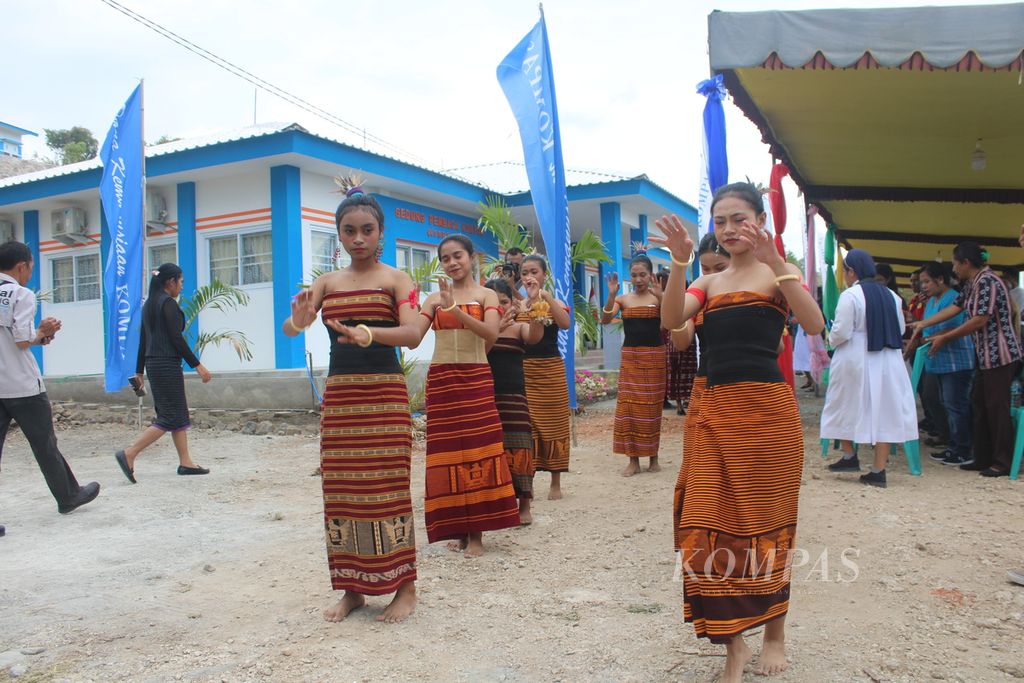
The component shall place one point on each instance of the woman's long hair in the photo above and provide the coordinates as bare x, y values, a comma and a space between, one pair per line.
157, 282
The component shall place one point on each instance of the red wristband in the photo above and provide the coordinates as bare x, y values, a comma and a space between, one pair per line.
699, 294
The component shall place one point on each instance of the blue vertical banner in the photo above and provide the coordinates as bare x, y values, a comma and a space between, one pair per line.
714, 171
528, 80
122, 194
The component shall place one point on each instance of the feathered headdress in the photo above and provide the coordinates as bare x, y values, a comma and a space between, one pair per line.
350, 185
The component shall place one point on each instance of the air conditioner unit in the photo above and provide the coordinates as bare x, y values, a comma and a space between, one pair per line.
156, 207
68, 225
6, 231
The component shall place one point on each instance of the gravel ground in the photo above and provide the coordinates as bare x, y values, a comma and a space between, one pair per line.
223, 577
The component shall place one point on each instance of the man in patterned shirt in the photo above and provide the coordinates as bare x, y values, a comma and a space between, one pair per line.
997, 346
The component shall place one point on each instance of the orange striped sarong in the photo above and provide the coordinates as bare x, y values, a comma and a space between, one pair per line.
365, 450
638, 410
548, 397
468, 482
689, 437
741, 484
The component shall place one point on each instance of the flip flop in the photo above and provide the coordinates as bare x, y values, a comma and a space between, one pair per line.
1016, 575
122, 460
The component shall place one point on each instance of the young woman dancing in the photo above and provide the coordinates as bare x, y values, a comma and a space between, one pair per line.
637, 431
368, 308
506, 359
469, 484
739, 507
546, 388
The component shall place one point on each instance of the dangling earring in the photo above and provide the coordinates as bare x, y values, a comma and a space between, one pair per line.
336, 256
380, 251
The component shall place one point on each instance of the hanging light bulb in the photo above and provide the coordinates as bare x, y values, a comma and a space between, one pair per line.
978, 158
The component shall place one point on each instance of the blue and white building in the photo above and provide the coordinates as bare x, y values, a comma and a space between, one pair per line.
255, 208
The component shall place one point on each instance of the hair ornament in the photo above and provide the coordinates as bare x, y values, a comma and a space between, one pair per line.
984, 255
350, 185
156, 273
758, 187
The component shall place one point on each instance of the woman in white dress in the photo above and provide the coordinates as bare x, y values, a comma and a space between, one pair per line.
869, 398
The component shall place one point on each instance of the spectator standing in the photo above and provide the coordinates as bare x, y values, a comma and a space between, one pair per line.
22, 395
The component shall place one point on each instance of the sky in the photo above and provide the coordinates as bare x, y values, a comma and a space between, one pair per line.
417, 74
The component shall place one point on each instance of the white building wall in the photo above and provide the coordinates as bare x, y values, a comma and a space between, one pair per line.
215, 200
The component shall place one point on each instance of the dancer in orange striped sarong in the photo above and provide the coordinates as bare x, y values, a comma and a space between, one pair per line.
506, 359
546, 388
368, 308
713, 259
468, 482
742, 478
637, 432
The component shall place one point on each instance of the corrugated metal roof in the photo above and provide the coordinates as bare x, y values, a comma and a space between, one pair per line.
256, 131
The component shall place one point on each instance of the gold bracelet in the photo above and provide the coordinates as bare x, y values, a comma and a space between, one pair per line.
295, 328
450, 308
681, 327
605, 310
789, 276
680, 263
369, 332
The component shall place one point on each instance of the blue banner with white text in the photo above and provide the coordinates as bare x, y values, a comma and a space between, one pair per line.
528, 80
122, 193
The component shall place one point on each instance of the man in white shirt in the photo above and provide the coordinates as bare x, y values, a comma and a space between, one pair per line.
22, 395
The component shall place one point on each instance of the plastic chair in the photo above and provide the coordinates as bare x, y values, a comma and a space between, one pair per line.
1018, 441
918, 370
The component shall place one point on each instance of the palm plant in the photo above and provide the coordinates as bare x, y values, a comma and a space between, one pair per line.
217, 296
496, 218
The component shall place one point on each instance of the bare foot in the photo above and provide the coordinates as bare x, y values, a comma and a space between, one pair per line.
632, 468
772, 659
349, 603
555, 492
458, 546
525, 513
654, 466
475, 547
736, 659
402, 605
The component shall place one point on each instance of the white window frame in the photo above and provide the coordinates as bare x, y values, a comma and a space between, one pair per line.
74, 259
161, 242
343, 260
237, 234
410, 245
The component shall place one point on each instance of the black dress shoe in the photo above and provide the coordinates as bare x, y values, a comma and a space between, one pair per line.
86, 494
973, 467
845, 465
874, 479
182, 470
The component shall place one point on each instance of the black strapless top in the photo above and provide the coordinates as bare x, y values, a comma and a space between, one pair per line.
740, 341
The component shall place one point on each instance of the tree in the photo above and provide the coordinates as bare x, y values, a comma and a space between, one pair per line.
165, 139
72, 145
795, 260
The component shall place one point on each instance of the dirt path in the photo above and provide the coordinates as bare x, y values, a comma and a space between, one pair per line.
222, 578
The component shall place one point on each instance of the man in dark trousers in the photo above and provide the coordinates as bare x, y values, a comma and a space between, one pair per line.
22, 394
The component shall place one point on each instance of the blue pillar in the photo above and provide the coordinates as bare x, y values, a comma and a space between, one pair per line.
579, 276
31, 222
188, 255
611, 235
286, 241
639, 234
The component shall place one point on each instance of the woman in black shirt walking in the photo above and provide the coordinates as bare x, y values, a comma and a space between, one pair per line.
161, 350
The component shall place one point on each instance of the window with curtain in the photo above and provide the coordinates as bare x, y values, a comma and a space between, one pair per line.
324, 245
63, 270
224, 260
257, 258
75, 278
160, 254
409, 257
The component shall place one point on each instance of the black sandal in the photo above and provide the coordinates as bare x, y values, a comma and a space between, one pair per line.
182, 470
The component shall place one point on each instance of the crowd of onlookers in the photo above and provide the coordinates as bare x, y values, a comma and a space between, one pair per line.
964, 321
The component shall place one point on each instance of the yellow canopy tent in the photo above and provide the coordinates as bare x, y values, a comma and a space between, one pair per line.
904, 126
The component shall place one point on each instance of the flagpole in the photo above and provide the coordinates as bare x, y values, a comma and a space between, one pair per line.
142, 134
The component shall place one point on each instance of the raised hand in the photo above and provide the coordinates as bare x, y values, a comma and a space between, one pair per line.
445, 293
613, 281
761, 243
508, 318
303, 311
655, 287
1020, 240
675, 237
532, 287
